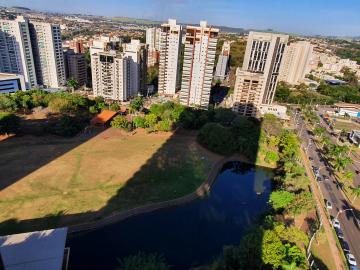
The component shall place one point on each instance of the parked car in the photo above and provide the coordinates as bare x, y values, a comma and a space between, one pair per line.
339, 233
336, 223
328, 205
319, 179
345, 246
353, 267
351, 259
326, 178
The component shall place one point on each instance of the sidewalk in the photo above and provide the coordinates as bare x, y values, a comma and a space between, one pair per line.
328, 229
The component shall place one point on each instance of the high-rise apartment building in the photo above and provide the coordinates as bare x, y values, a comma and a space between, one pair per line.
111, 76
16, 54
34, 50
48, 54
136, 52
296, 63
262, 62
170, 42
75, 66
77, 46
105, 43
222, 66
199, 58
153, 41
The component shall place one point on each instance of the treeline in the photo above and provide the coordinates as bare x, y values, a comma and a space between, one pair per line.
271, 244
70, 113
325, 94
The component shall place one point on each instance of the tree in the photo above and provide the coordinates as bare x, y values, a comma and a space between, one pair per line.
281, 199
114, 107
136, 104
217, 138
72, 84
273, 251
142, 261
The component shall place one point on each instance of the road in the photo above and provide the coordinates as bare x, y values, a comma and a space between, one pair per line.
331, 192
352, 167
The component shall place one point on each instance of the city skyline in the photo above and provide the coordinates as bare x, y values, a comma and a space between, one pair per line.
329, 18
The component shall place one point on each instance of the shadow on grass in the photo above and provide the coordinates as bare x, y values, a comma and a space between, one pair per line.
154, 182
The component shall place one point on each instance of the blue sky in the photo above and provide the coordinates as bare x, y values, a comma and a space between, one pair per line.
327, 17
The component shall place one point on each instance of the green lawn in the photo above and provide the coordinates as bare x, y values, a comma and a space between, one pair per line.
55, 182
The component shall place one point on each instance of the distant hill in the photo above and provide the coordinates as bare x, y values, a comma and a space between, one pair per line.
135, 21
21, 8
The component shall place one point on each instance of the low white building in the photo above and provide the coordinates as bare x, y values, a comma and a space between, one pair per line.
352, 110
10, 83
278, 110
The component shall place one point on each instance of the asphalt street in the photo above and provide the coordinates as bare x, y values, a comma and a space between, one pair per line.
332, 192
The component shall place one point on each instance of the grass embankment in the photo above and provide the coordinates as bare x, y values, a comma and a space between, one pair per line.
74, 181
321, 250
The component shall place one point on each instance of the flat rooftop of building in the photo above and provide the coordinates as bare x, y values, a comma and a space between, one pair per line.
342, 105
40, 250
4, 76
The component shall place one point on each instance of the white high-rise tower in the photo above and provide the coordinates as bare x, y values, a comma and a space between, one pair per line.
199, 58
170, 42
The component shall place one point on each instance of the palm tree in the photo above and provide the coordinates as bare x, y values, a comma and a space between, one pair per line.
356, 192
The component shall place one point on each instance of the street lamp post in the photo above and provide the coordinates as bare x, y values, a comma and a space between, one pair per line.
342, 211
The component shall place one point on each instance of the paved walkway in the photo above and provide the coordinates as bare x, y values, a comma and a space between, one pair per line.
335, 253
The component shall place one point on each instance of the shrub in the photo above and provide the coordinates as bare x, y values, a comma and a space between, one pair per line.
281, 199
142, 261
67, 126
121, 122
9, 123
150, 120
139, 122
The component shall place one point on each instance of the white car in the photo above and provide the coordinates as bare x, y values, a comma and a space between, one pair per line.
336, 223
328, 205
351, 259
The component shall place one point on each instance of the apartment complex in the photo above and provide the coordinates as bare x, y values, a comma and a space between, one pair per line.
170, 42
199, 59
222, 66
105, 43
16, 54
136, 52
153, 36
111, 76
34, 50
75, 66
296, 63
257, 80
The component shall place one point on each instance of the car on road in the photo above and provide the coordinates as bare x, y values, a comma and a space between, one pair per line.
328, 205
357, 172
351, 259
326, 178
339, 233
353, 267
345, 246
319, 179
336, 223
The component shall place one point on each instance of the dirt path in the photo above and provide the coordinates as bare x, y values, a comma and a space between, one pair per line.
339, 263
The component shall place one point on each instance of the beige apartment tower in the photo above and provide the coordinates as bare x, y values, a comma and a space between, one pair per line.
199, 59
170, 42
296, 62
260, 72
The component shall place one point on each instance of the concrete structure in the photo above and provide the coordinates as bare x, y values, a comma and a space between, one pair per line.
105, 43
222, 66
296, 63
153, 36
355, 137
42, 250
257, 81
247, 92
75, 64
136, 52
48, 54
199, 59
77, 46
10, 83
353, 110
170, 42
16, 54
277, 110
111, 76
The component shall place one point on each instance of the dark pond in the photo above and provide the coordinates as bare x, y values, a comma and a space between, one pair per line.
187, 235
